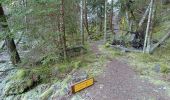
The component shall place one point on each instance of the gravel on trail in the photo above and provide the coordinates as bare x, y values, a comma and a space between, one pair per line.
120, 82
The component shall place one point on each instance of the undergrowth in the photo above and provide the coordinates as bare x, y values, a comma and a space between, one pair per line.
53, 72
155, 67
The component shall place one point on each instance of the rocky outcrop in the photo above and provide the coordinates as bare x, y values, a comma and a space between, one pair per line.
21, 82
17, 87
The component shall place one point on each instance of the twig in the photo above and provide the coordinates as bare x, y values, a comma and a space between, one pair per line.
162, 40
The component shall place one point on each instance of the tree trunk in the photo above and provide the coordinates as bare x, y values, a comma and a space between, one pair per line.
101, 20
9, 41
81, 22
151, 28
144, 16
12, 50
111, 18
25, 17
86, 19
105, 22
62, 29
148, 26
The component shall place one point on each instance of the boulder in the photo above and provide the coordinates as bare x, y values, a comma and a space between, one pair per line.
17, 87
20, 82
35, 93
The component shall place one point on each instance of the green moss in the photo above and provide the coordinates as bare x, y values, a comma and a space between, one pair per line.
96, 37
29, 83
165, 69
107, 45
77, 64
21, 74
42, 71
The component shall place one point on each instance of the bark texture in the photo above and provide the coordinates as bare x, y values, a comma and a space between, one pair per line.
9, 41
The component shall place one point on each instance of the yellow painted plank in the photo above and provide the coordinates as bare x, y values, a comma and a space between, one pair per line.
82, 85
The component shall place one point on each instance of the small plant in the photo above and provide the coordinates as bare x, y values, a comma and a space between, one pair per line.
51, 58
107, 45
96, 37
165, 69
21, 74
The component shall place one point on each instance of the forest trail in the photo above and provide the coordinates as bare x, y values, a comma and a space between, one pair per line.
120, 82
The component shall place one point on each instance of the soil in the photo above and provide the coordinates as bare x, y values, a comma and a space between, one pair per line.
117, 82
120, 82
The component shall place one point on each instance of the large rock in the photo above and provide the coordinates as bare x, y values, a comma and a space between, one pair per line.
36, 92
17, 87
20, 82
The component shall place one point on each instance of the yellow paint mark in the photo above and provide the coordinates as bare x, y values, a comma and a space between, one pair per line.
82, 85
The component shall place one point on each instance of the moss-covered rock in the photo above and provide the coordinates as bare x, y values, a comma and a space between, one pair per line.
107, 45
165, 69
21, 74
20, 82
17, 87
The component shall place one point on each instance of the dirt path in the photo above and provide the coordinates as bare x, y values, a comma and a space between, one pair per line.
120, 82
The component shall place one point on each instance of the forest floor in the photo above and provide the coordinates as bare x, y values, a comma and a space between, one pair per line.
115, 76
119, 81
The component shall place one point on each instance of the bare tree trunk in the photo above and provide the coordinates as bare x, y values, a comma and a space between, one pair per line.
111, 17
144, 16
9, 41
25, 17
105, 22
127, 18
151, 27
101, 20
81, 22
62, 29
14, 56
86, 19
148, 25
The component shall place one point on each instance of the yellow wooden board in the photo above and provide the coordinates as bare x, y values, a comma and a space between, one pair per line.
82, 85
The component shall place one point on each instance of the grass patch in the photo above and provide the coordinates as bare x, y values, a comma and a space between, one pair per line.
145, 64
111, 52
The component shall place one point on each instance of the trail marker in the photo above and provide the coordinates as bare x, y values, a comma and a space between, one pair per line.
82, 85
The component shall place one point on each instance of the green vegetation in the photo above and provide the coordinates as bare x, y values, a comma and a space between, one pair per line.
155, 67
50, 40
161, 56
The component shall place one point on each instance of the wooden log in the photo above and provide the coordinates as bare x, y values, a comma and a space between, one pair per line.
3, 45
144, 16
160, 42
126, 49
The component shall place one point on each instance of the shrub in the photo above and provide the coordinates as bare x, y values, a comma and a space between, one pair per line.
165, 69
107, 45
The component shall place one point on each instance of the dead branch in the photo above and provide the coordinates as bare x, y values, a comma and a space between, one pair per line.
160, 42
144, 16
3, 45
126, 49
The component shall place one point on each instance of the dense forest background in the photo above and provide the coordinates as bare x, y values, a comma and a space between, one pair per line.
46, 41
